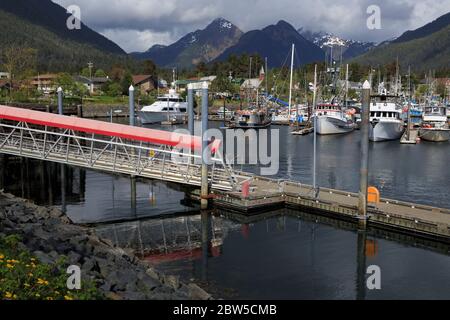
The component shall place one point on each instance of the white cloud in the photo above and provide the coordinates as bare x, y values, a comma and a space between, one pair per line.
135, 40
139, 24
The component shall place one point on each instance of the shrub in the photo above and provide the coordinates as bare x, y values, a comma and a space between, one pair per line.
23, 277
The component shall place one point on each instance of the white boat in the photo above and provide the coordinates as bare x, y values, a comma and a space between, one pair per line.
169, 107
331, 119
251, 119
283, 117
435, 126
385, 119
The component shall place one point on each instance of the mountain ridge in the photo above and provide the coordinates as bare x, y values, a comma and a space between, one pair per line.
274, 42
202, 45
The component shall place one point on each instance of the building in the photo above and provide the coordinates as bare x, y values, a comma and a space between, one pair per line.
144, 83
45, 82
94, 84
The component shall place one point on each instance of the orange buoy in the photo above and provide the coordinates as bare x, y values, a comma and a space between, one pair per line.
373, 195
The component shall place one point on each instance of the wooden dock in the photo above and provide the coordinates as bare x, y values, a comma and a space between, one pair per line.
413, 137
400, 216
303, 132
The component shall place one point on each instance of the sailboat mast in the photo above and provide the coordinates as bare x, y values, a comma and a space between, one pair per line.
290, 86
346, 86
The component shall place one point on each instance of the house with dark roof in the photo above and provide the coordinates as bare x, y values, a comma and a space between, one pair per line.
94, 84
144, 83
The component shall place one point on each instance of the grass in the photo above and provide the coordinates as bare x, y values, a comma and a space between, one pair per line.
23, 277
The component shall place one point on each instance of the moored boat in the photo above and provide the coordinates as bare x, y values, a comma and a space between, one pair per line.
435, 127
385, 118
331, 119
169, 107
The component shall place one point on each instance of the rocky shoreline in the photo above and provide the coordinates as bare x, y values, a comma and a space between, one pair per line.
49, 234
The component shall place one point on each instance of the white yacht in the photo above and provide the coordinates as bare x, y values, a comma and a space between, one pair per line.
331, 119
435, 126
169, 107
385, 118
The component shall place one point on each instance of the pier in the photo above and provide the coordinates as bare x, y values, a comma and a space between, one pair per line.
147, 153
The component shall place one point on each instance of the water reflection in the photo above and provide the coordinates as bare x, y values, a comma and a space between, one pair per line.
283, 254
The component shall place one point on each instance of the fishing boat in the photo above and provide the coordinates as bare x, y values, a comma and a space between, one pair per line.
385, 118
435, 127
331, 119
168, 107
251, 119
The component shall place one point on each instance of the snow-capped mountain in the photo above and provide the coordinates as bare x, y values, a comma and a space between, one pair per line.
325, 40
198, 46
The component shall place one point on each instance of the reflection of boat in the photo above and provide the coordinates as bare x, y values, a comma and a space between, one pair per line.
169, 107
385, 118
435, 126
248, 119
331, 119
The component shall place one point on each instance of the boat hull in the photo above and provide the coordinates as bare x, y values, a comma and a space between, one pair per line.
385, 131
329, 125
157, 117
434, 135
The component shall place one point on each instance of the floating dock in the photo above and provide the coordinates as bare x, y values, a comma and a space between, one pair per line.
400, 216
303, 132
413, 137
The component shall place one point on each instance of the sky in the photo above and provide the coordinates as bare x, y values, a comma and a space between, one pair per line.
136, 25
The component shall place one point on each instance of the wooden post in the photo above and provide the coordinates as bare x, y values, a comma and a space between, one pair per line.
364, 171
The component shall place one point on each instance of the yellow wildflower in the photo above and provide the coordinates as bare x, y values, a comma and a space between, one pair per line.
8, 295
37, 295
42, 281
9, 266
26, 285
68, 298
2, 256
30, 274
49, 298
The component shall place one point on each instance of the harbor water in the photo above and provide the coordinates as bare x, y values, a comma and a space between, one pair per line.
277, 255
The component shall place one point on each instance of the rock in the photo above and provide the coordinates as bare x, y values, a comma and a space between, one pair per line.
152, 273
198, 293
44, 258
73, 257
172, 281
89, 264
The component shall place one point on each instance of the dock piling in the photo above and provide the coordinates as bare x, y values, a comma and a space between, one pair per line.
204, 185
60, 100
364, 171
131, 105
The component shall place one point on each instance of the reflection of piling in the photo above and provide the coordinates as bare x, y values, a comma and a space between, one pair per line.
60, 100
204, 188
361, 266
133, 194
363, 184
206, 227
63, 188
2, 170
